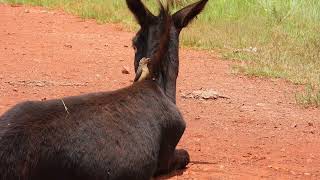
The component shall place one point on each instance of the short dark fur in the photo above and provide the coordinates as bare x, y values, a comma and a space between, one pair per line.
130, 133
148, 37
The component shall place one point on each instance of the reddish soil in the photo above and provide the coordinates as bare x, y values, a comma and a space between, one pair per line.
259, 133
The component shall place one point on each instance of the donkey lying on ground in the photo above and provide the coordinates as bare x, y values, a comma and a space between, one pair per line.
130, 133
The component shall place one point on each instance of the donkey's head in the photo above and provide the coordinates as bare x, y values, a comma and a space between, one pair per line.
158, 39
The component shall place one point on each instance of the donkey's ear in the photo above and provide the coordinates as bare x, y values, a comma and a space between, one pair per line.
141, 13
184, 16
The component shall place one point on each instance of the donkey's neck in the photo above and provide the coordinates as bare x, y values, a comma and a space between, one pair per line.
171, 70
170, 90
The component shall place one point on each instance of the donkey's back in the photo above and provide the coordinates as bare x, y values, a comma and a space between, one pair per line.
115, 135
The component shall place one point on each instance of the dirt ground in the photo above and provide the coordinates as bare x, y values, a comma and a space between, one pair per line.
259, 133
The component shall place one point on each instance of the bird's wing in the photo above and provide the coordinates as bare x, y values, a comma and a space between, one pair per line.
138, 74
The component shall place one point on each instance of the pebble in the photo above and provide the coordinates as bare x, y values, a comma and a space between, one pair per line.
125, 70
293, 173
310, 124
68, 45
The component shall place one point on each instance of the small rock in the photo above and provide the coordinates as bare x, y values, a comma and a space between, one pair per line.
294, 125
293, 173
125, 70
310, 124
27, 11
15, 89
203, 95
254, 49
307, 174
68, 45
15, 5
39, 84
198, 117
247, 155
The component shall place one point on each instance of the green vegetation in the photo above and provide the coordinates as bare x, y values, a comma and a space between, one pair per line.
276, 38
310, 96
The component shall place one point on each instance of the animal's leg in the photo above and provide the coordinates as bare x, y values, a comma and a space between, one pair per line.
180, 159
171, 159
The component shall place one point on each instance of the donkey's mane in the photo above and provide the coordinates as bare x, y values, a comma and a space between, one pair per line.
165, 24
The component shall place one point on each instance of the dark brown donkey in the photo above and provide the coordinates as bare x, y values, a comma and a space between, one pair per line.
126, 134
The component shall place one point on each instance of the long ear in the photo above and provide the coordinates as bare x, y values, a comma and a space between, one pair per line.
141, 13
184, 16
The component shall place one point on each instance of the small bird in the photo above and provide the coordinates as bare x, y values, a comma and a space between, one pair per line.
143, 70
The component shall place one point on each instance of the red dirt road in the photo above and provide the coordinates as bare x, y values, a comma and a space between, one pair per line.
259, 133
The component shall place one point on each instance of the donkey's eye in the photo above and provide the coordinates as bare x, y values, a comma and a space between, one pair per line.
135, 48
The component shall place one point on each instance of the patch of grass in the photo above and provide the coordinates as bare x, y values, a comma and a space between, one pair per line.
113, 11
285, 33
102, 11
311, 96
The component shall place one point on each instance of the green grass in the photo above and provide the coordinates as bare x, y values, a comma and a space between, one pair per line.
284, 33
310, 96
